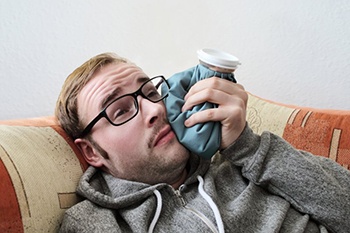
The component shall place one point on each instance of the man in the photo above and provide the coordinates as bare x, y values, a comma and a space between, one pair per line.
142, 179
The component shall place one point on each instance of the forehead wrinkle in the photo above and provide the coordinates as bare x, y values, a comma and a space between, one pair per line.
110, 97
116, 92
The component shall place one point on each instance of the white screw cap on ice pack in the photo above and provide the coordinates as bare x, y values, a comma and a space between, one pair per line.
218, 58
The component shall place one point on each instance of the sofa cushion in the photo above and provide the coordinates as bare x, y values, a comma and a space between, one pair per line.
39, 171
319, 131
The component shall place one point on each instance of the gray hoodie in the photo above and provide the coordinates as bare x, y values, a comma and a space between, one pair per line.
258, 184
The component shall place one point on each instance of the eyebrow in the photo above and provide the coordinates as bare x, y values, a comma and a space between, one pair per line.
116, 92
110, 97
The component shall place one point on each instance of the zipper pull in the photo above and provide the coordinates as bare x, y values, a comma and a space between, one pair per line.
179, 195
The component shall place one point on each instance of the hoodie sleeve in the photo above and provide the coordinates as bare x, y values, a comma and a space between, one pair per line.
314, 185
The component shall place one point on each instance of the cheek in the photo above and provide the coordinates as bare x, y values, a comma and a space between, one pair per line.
121, 139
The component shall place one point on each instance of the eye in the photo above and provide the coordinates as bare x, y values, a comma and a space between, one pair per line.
120, 112
121, 109
151, 92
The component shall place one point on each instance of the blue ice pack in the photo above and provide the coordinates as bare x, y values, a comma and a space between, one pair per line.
202, 139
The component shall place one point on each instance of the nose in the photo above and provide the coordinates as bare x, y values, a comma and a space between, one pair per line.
151, 112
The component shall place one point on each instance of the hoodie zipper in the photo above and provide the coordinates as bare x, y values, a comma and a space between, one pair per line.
181, 198
194, 211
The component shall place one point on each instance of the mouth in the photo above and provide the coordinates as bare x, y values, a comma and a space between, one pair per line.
164, 136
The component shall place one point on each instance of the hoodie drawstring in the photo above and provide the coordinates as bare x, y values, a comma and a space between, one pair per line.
206, 197
158, 210
212, 205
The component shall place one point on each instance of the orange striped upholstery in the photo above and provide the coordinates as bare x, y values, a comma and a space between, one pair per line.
319, 131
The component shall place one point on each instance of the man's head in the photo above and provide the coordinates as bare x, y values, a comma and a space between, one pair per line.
142, 149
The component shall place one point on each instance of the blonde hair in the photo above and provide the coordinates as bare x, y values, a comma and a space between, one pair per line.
67, 106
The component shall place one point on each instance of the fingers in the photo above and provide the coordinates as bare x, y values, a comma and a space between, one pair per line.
234, 107
213, 83
231, 99
214, 90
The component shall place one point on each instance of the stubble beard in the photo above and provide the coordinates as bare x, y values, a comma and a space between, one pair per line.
167, 166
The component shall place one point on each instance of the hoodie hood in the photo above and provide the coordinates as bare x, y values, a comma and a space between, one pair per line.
110, 192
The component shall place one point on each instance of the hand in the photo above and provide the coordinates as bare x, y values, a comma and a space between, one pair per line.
231, 99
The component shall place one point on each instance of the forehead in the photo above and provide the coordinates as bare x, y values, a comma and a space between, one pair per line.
111, 80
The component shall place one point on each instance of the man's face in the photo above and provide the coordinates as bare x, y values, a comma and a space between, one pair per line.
144, 149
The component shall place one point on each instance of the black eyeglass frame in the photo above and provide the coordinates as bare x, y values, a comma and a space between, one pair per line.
134, 95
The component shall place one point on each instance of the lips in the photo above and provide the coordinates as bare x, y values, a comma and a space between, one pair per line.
164, 136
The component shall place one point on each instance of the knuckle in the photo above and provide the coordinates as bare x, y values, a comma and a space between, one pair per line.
237, 113
209, 93
245, 96
243, 103
216, 82
210, 114
240, 86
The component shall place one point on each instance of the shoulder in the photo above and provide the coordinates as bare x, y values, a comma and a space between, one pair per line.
86, 210
89, 217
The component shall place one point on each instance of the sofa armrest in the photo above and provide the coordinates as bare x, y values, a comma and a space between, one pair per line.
39, 171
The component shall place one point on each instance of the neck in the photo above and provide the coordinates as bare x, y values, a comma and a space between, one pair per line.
181, 180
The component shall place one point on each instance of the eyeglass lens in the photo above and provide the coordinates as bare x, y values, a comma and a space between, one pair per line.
126, 107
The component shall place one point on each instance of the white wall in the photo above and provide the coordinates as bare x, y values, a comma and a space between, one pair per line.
292, 51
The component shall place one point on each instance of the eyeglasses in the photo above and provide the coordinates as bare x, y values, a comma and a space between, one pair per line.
126, 107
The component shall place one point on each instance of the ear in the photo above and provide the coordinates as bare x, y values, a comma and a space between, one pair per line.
91, 155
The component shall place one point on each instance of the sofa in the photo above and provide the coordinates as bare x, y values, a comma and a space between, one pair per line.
40, 165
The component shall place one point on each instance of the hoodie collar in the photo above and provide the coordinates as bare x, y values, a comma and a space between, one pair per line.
111, 192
